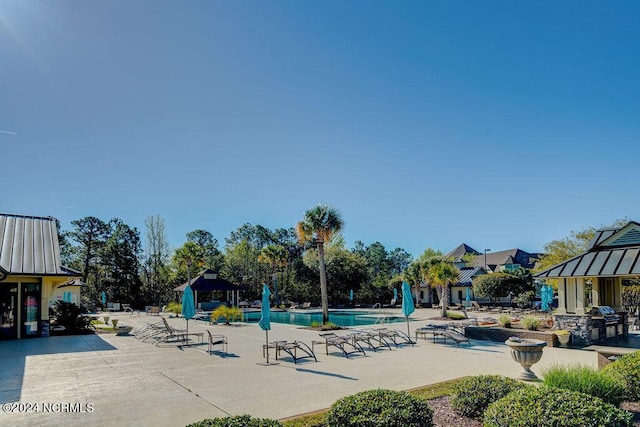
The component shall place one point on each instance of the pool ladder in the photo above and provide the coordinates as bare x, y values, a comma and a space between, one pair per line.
378, 309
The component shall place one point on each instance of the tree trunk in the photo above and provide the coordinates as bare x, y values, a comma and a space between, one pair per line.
444, 301
323, 283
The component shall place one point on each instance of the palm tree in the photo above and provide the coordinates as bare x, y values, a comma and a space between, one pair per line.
318, 225
441, 273
413, 276
275, 256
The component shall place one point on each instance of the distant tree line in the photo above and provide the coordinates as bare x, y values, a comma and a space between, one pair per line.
113, 258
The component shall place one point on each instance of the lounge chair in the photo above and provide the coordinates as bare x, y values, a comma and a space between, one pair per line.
344, 343
154, 310
256, 304
456, 336
173, 334
202, 315
430, 329
477, 306
291, 348
395, 336
373, 339
127, 307
306, 305
217, 339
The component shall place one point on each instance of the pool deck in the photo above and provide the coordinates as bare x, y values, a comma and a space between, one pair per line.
132, 383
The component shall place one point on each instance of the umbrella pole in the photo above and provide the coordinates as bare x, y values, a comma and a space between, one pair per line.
186, 337
267, 335
408, 332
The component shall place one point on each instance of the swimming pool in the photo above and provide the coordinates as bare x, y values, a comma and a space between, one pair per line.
340, 318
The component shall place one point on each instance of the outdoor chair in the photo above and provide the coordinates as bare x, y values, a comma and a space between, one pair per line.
154, 310
256, 304
127, 307
477, 307
202, 315
306, 305
217, 339
395, 336
173, 334
373, 339
456, 336
150, 331
430, 329
291, 348
345, 344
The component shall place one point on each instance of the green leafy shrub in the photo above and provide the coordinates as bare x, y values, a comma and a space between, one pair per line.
586, 380
531, 323
329, 326
454, 315
174, 307
544, 406
229, 314
472, 395
524, 299
69, 315
627, 368
237, 421
505, 320
379, 408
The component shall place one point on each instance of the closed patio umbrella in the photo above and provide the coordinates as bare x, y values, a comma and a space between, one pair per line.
544, 298
188, 307
351, 295
395, 294
407, 303
468, 297
103, 298
265, 318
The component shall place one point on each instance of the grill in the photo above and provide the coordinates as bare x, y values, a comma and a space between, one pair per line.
606, 313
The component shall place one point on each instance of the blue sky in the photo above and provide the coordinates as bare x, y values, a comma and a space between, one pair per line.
426, 123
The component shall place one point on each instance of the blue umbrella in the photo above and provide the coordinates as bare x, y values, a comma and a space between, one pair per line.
549, 295
351, 295
395, 294
407, 303
188, 307
103, 298
64, 296
265, 318
468, 297
544, 298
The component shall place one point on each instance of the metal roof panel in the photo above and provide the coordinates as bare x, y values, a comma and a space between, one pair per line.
598, 263
583, 265
612, 263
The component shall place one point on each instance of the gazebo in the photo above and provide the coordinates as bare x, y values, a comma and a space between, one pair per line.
595, 279
208, 281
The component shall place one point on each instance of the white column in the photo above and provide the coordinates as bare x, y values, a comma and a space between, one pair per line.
595, 293
580, 296
562, 300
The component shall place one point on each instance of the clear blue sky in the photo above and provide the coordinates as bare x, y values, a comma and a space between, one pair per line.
501, 124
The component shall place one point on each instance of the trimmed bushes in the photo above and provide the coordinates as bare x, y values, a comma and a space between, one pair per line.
504, 320
472, 395
586, 380
379, 408
627, 368
544, 406
531, 323
237, 421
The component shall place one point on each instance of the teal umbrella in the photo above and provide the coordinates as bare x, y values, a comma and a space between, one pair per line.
188, 307
265, 319
544, 298
407, 303
351, 295
395, 294
468, 297
103, 298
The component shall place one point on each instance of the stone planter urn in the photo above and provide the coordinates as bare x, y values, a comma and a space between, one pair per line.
563, 337
526, 352
114, 322
106, 319
123, 330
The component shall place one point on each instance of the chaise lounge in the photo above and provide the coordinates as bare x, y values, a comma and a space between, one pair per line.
344, 343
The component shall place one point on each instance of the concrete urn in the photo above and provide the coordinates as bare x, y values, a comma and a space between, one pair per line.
526, 352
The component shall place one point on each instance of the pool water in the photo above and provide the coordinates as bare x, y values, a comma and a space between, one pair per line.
340, 318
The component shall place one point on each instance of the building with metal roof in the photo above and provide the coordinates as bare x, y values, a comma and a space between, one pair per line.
595, 277
31, 274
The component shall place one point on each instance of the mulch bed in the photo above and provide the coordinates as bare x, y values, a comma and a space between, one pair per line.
443, 415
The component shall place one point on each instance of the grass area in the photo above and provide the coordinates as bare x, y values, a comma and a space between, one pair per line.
316, 419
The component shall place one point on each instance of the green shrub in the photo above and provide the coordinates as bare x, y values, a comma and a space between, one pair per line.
329, 326
627, 368
173, 307
472, 395
237, 421
544, 406
229, 314
69, 315
379, 408
505, 320
454, 315
586, 380
531, 323
524, 299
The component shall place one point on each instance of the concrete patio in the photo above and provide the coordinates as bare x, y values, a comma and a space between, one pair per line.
132, 383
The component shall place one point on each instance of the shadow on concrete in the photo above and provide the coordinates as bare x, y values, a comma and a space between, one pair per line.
329, 374
14, 355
